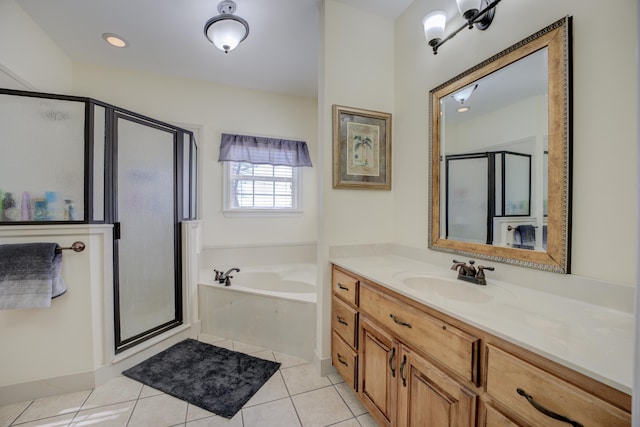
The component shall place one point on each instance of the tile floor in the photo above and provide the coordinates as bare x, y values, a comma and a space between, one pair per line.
295, 396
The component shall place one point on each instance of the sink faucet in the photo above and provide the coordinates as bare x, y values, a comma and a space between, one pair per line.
470, 273
225, 277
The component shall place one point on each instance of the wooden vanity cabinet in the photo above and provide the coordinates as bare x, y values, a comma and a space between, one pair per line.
344, 325
378, 371
415, 366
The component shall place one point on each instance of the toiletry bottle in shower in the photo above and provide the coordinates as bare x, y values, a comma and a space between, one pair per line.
26, 206
9, 208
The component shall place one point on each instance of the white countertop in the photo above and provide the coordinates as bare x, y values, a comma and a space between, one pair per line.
593, 340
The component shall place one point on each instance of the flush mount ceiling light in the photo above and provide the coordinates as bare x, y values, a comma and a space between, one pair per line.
475, 12
114, 40
226, 31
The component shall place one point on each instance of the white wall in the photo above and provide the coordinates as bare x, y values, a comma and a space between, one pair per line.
28, 55
604, 130
218, 109
356, 70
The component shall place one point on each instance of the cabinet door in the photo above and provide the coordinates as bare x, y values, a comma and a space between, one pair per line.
377, 371
427, 397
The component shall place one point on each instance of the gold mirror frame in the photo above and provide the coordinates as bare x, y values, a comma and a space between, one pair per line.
557, 38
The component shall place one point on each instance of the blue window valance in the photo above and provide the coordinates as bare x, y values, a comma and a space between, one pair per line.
260, 150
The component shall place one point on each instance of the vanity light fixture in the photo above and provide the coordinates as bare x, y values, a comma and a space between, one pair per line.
226, 31
114, 40
475, 12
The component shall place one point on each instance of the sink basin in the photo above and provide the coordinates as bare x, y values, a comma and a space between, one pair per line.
446, 288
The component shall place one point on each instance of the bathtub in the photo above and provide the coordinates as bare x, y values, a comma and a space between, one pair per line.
273, 307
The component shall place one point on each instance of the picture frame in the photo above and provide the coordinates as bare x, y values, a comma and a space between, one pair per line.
361, 149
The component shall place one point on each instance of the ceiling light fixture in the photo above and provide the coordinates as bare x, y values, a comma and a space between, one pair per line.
226, 31
114, 40
462, 96
475, 12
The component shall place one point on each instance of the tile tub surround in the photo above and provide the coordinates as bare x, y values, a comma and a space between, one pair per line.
295, 396
594, 340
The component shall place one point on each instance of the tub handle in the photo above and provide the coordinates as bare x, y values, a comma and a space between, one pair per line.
343, 287
341, 360
341, 320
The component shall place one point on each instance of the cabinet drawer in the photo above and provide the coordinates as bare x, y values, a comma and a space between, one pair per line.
344, 321
509, 377
345, 287
344, 359
451, 346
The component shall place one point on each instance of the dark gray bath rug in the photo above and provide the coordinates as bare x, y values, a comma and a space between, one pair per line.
212, 378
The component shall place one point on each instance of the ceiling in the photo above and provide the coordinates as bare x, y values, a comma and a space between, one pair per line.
167, 37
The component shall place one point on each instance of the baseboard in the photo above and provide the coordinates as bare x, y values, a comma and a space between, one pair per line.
88, 380
323, 365
38, 389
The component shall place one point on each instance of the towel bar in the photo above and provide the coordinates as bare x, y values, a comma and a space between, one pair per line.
75, 246
509, 228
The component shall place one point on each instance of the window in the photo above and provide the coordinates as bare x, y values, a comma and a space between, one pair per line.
261, 188
261, 174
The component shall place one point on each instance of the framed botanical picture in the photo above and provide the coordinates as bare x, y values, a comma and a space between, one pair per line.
361, 149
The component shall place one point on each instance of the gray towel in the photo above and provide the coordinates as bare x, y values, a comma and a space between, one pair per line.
30, 275
524, 237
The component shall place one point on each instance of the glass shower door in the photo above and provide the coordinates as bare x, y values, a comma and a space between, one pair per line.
146, 232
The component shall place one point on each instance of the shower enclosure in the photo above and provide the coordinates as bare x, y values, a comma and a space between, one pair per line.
72, 160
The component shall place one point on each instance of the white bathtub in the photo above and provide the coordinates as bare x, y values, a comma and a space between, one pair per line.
272, 306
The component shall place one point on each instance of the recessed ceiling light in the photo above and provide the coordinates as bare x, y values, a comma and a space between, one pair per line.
114, 40
463, 109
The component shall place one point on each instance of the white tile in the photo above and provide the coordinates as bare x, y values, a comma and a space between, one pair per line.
266, 355
350, 398
288, 361
210, 339
303, 378
69, 403
59, 421
216, 421
321, 407
349, 423
105, 416
149, 391
195, 413
367, 420
335, 378
280, 413
246, 348
273, 389
159, 411
228, 344
9, 413
116, 390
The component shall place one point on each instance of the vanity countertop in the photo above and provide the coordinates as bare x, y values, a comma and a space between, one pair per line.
593, 340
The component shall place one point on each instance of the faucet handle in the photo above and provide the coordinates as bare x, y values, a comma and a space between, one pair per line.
217, 274
480, 275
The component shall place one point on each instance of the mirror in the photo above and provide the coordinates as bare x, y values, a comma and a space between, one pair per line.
500, 146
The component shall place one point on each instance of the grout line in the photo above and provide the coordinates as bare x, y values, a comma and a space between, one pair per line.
20, 414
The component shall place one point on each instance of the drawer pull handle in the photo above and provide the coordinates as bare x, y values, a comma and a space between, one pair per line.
343, 287
341, 320
546, 411
342, 360
391, 358
402, 365
399, 322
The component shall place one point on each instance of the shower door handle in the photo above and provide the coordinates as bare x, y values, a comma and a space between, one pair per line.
116, 231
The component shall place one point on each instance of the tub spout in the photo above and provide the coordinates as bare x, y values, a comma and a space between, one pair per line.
225, 277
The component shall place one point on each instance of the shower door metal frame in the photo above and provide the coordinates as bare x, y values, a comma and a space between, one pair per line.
112, 207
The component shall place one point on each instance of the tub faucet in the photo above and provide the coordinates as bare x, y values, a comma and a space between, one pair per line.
469, 273
225, 277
